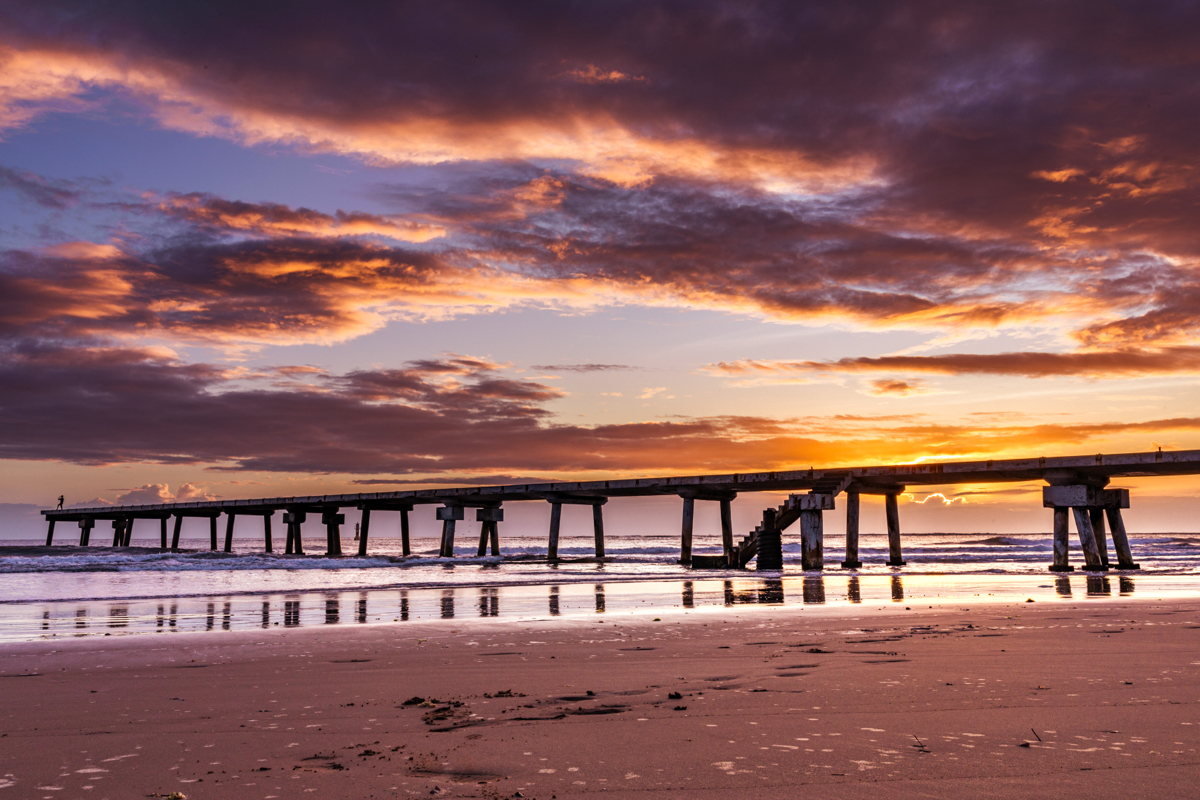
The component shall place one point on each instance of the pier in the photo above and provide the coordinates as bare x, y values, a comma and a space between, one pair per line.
1077, 488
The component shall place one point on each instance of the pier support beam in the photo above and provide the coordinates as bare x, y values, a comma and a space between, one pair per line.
162, 532
1062, 541
50, 533
268, 545
557, 501
229, 531
770, 543
812, 539
489, 532
685, 542
404, 543
295, 542
1120, 539
555, 521
118, 525
690, 495
1088, 503
1097, 517
727, 531
333, 522
364, 531
212, 534
449, 515
1087, 541
895, 556
812, 508
178, 527
598, 529
852, 510
85, 530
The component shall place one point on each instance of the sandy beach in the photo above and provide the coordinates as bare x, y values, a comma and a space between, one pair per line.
1001, 700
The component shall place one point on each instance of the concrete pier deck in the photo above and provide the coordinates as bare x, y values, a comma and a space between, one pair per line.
1075, 486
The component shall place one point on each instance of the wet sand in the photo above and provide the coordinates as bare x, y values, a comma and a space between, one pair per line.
1037, 700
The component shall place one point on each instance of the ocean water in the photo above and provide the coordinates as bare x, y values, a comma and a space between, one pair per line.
107, 591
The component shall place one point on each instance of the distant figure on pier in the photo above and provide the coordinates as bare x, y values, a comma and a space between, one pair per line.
60, 502
356, 531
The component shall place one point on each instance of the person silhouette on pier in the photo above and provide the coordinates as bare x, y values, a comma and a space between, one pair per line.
60, 502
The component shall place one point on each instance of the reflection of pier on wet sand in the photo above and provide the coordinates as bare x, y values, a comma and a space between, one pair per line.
1076, 488
581, 600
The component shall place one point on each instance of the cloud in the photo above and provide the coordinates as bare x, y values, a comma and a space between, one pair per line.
147, 494
581, 367
898, 388
55, 195
276, 219
1087, 364
456, 416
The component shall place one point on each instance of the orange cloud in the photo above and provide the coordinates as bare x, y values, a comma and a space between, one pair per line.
276, 219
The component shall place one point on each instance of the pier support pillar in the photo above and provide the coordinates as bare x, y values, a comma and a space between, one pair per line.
1089, 503
895, 557
404, 542
812, 540
1062, 541
268, 545
555, 521
128, 531
179, 526
162, 532
333, 522
364, 532
449, 515
229, 531
1097, 518
727, 531
598, 529
489, 532
770, 543
118, 532
1120, 539
50, 533
295, 543
852, 507
1087, 541
685, 543
212, 533
85, 531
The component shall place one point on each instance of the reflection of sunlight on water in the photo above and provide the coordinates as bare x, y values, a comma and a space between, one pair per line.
834, 594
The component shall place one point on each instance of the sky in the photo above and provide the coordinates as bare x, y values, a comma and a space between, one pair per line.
271, 249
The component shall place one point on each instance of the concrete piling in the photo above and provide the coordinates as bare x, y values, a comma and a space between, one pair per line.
1062, 541
229, 531
1120, 539
852, 511
598, 529
812, 539
685, 544
555, 522
892, 507
364, 531
448, 515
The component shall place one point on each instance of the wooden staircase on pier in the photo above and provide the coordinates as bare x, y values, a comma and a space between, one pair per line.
787, 513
